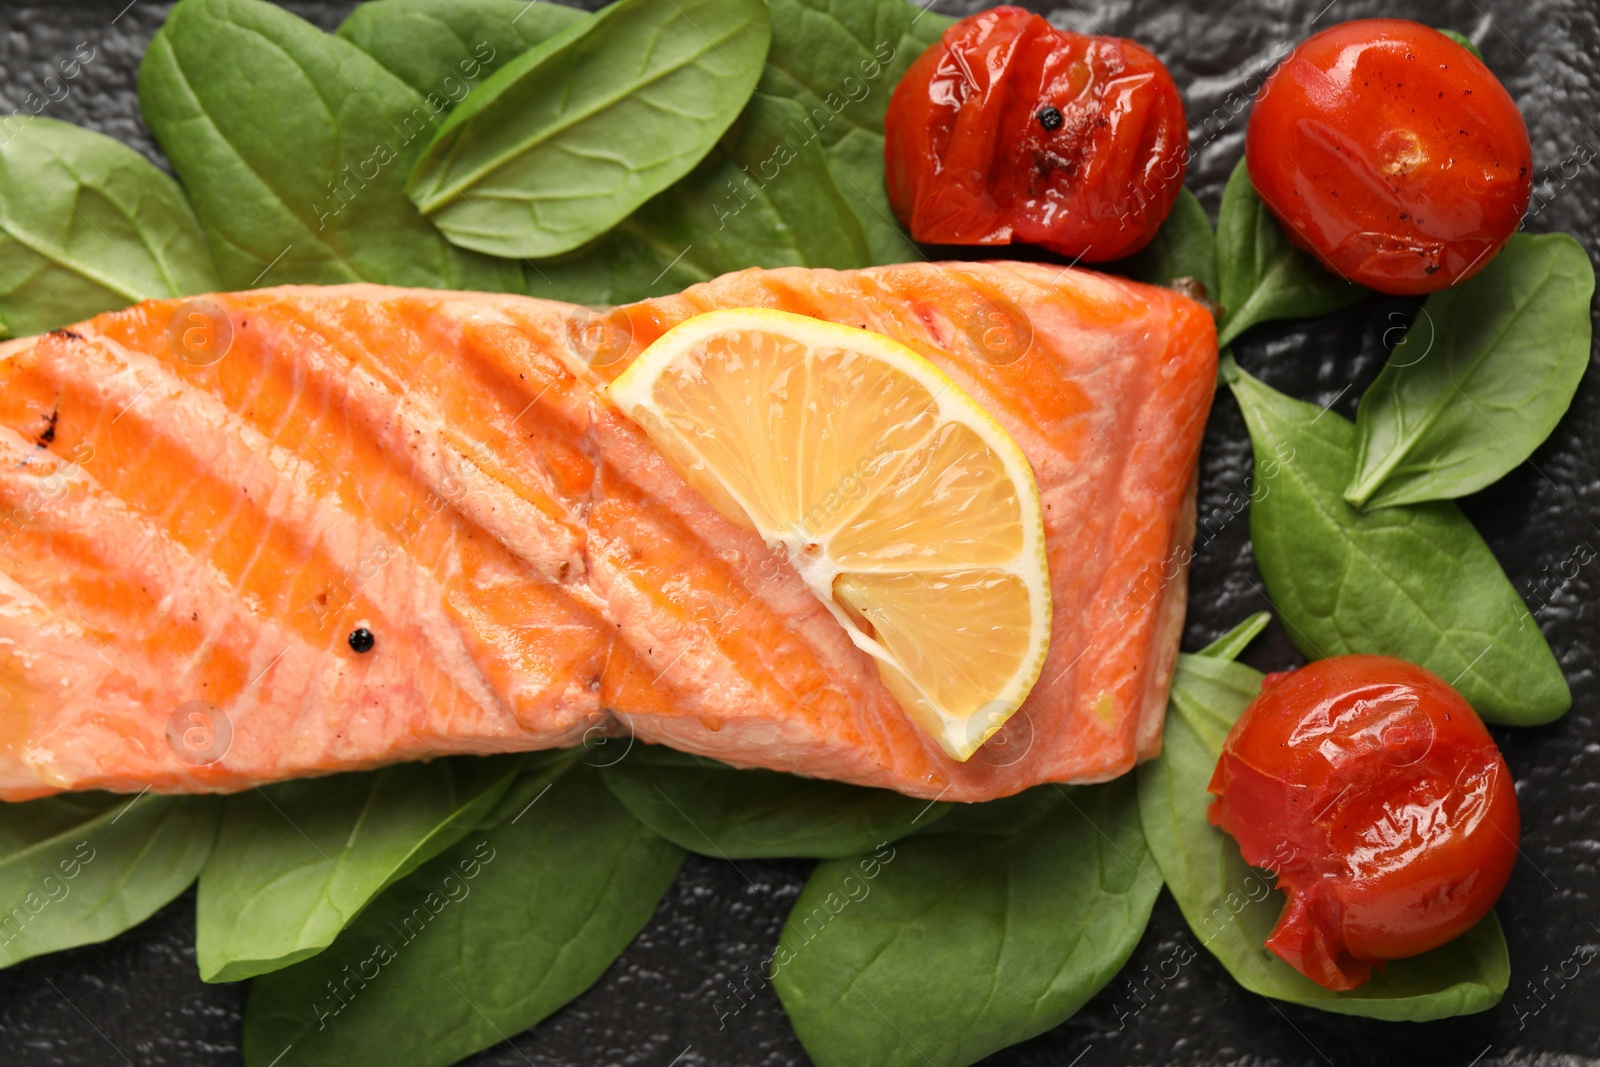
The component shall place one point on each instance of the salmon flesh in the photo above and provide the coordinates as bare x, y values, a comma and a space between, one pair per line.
198, 528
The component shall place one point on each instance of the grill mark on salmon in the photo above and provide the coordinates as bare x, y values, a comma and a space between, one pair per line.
443, 468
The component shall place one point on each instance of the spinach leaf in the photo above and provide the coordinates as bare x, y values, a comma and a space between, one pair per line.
89, 225
83, 867
1184, 247
294, 147
1231, 907
839, 61
445, 47
728, 813
481, 942
721, 218
1263, 276
994, 925
296, 862
856, 162
763, 197
1231, 644
1414, 581
566, 140
797, 214
1461, 39
1480, 379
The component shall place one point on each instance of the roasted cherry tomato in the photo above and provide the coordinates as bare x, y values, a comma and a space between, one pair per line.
1009, 129
1392, 154
1373, 792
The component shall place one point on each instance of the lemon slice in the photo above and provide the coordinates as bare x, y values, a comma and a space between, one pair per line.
908, 511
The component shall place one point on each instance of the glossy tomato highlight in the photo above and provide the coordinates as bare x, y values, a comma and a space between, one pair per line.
1009, 129
1373, 791
1392, 154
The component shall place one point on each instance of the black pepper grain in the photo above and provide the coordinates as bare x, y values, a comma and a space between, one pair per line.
1049, 118
361, 639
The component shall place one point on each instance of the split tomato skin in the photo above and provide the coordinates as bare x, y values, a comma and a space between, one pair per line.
1374, 793
1392, 154
1009, 130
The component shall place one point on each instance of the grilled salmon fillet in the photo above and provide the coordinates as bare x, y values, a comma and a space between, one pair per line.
188, 548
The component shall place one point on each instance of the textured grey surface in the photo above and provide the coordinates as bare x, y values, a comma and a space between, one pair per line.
138, 999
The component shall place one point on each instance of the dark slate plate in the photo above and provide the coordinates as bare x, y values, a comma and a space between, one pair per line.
669, 1000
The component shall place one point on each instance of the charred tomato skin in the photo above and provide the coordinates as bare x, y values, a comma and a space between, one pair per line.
1392, 154
1374, 793
1008, 129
